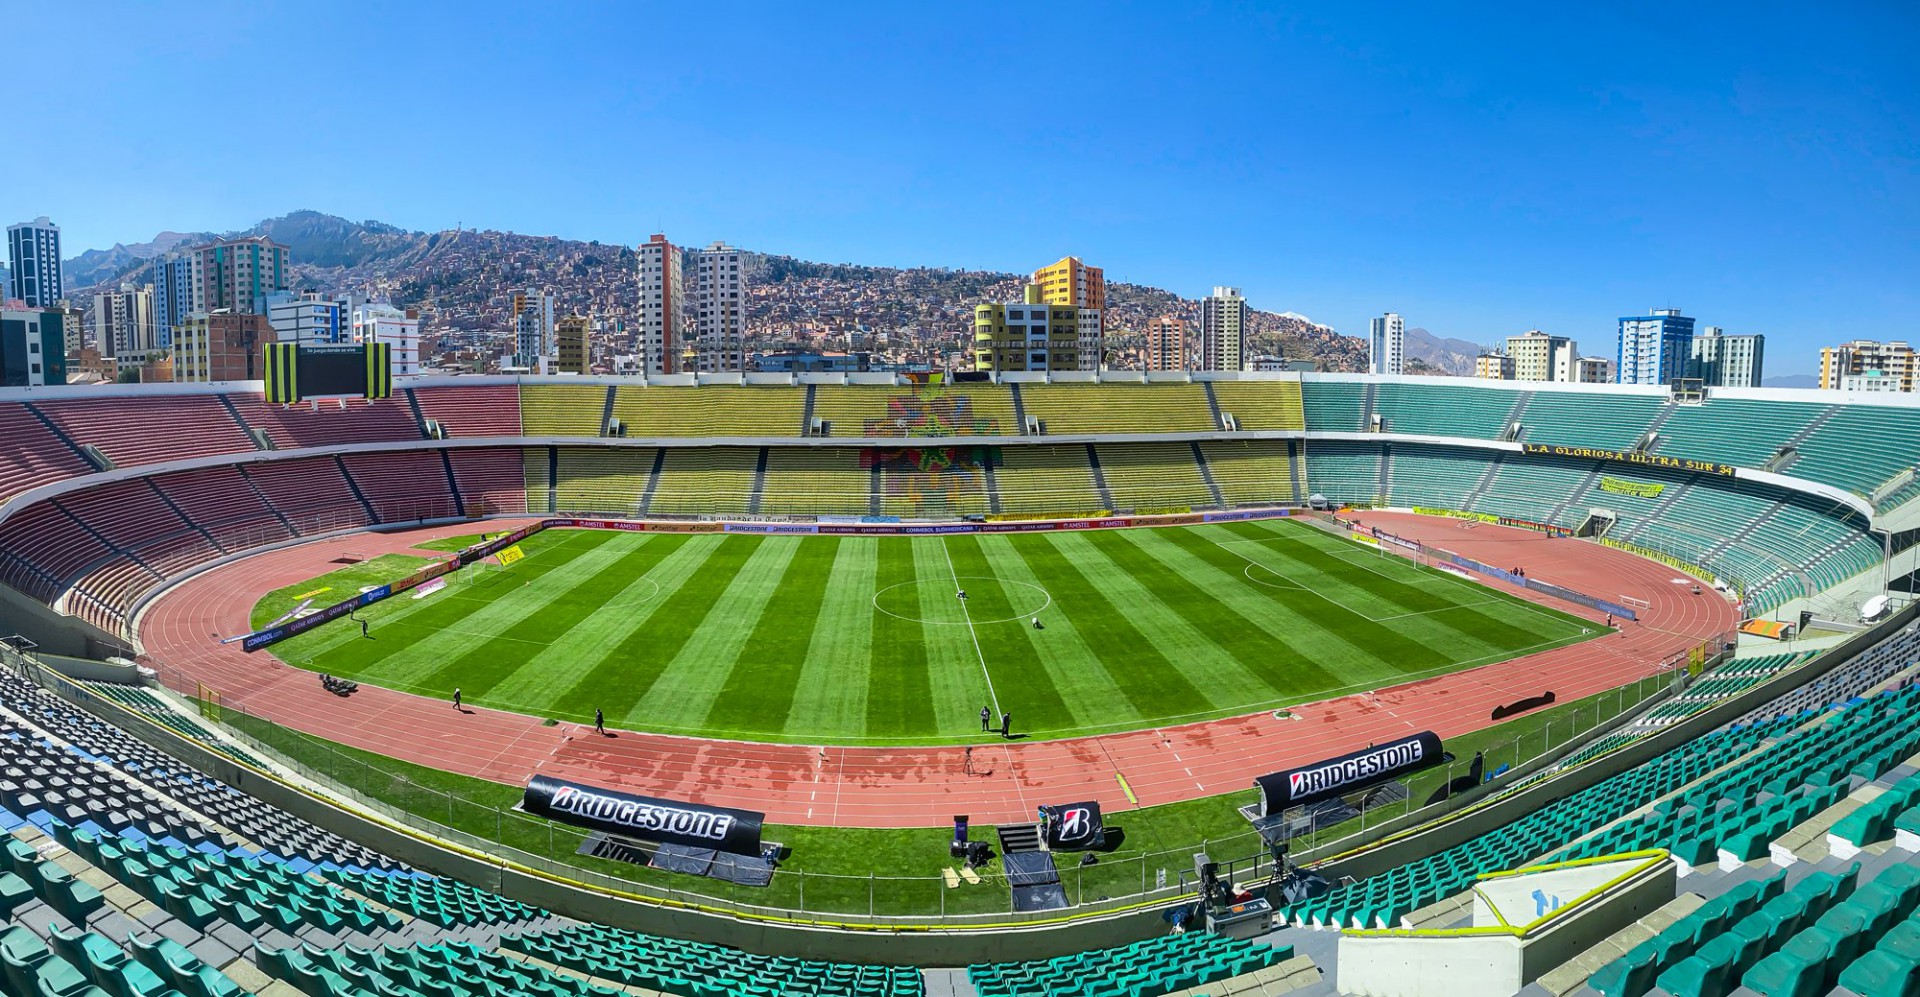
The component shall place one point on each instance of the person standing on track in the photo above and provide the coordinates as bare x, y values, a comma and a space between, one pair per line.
968, 768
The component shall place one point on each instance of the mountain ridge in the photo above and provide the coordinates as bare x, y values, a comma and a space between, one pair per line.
459, 280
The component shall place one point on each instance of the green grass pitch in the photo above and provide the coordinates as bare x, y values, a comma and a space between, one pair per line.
864, 639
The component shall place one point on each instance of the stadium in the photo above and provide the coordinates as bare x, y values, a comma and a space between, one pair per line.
1309, 683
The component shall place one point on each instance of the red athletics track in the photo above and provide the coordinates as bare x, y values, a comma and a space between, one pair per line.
924, 787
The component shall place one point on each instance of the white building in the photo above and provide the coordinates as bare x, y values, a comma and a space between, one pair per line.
720, 316
1861, 356
1387, 345
1538, 356
1723, 361
531, 313
309, 319
661, 335
1223, 330
400, 330
1593, 370
1876, 381
33, 252
123, 322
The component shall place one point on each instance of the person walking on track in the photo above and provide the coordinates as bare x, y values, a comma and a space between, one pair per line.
599, 722
456, 697
968, 769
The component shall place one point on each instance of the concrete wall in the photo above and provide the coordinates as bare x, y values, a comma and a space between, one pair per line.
89, 670
1497, 960
56, 633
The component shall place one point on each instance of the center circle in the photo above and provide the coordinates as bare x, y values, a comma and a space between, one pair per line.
1025, 598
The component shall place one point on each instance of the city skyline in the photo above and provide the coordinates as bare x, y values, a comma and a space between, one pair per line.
1531, 178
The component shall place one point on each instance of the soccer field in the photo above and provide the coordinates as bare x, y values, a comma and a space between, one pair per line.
865, 640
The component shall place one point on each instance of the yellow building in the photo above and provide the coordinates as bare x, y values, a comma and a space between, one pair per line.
1026, 335
571, 334
1072, 282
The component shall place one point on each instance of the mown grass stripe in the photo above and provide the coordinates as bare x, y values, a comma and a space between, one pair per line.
956, 680
1481, 620
1132, 662
621, 678
1287, 651
690, 684
1090, 695
469, 590
481, 668
830, 695
442, 636
1317, 631
1382, 643
1004, 639
760, 687
531, 687
1206, 647
898, 702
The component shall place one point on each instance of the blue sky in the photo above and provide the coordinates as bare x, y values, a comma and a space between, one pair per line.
1482, 171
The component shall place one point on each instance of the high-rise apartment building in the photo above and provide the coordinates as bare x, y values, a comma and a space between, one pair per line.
33, 345
1223, 330
1167, 344
239, 276
398, 328
1493, 367
1072, 282
1861, 357
123, 322
1026, 335
720, 315
571, 332
33, 253
1387, 345
1723, 361
1539, 356
221, 346
1654, 348
661, 333
310, 319
531, 313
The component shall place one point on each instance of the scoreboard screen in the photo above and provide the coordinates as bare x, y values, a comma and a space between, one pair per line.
296, 372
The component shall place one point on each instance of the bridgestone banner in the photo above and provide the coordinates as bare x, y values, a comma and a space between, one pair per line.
1355, 770
666, 821
1074, 827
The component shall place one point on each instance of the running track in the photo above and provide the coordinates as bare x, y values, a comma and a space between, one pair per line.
925, 787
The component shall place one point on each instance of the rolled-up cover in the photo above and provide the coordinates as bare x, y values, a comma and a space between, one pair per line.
667, 821
1074, 827
1354, 770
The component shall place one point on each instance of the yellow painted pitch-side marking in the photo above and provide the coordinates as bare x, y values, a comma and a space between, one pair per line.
1124, 788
